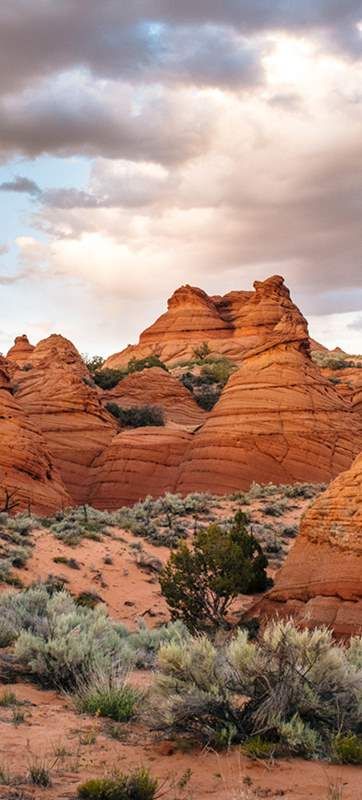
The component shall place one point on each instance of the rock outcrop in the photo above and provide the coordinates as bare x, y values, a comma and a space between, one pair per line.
137, 463
231, 325
321, 581
56, 395
27, 471
157, 387
21, 350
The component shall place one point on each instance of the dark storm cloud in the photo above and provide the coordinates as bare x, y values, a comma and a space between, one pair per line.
20, 184
78, 120
143, 39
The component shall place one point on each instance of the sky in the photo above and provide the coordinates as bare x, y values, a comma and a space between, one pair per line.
149, 144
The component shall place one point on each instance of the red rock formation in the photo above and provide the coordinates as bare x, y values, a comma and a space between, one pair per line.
55, 395
321, 580
277, 420
137, 463
21, 350
155, 386
26, 467
231, 325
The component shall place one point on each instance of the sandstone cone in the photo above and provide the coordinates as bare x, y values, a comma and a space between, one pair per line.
21, 350
26, 466
57, 398
157, 387
321, 581
277, 420
231, 325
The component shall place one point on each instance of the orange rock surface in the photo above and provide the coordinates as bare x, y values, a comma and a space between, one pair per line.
137, 463
21, 350
277, 420
26, 466
155, 386
232, 325
321, 581
55, 396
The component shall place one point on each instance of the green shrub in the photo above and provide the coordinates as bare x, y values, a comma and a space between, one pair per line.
93, 363
137, 416
107, 695
347, 748
200, 584
259, 748
138, 785
295, 686
62, 644
139, 364
108, 378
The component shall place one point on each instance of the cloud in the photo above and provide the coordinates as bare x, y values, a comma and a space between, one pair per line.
3, 249
22, 185
77, 117
356, 324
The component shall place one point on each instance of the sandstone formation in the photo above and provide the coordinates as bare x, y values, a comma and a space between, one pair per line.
137, 463
231, 325
321, 581
56, 396
21, 351
157, 387
27, 471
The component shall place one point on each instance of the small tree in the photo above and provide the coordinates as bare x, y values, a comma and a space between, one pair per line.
94, 363
200, 584
202, 351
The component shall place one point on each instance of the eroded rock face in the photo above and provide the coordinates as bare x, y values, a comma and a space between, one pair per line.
157, 387
137, 463
277, 420
21, 350
232, 325
321, 581
26, 467
56, 396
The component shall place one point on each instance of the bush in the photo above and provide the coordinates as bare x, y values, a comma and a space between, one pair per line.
138, 785
139, 364
259, 748
108, 378
347, 749
137, 416
291, 686
107, 695
93, 363
200, 584
63, 644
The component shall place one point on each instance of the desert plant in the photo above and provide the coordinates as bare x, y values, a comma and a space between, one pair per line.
295, 687
201, 583
107, 694
139, 364
108, 378
259, 748
137, 416
138, 785
347, 748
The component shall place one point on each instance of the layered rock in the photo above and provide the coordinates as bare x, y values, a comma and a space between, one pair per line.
157, 387
137, 463
277, 420
21, 350
321, 581
57, 396
231, 325
27, 471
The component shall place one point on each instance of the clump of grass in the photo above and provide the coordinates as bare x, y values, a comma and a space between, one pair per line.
88, 599
8, 699
107, 695
138, 785
72, 563
259, 748
39, 773
347, 749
